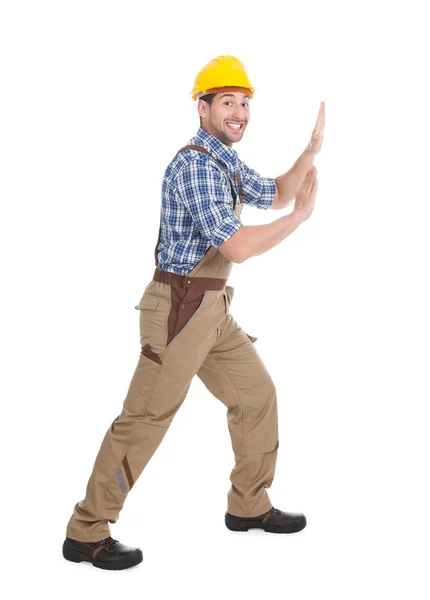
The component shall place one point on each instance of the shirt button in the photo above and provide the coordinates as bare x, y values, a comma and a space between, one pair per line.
189, 281
183, 306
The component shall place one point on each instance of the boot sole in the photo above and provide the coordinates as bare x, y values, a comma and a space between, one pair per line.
238, 525
75, 556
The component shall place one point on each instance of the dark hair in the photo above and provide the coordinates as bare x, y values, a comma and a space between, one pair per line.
209, 99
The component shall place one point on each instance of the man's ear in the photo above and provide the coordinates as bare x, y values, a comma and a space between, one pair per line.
202, 108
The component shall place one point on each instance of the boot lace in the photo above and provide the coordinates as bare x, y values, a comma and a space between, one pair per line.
108, 542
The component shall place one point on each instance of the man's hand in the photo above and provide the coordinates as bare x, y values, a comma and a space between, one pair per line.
252, 240
288, 184
317, 135
305, 198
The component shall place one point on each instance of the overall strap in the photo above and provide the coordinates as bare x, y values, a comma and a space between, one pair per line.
233, 191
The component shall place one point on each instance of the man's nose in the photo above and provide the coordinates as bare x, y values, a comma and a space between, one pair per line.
238, 113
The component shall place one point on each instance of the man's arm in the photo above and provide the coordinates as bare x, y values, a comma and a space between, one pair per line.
288, 183
252, 240
206, 194
258, 191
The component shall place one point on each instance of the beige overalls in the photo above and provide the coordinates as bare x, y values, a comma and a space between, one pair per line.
186, 329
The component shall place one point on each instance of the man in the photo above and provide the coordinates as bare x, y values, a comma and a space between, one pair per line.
186, 327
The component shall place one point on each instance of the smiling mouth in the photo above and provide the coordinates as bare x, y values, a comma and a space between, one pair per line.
234, 126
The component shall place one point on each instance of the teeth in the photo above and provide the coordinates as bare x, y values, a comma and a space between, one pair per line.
234, 125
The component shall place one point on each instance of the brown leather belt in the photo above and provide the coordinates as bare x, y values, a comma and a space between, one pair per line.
184, 281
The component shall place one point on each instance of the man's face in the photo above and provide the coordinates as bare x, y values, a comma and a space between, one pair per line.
227, 117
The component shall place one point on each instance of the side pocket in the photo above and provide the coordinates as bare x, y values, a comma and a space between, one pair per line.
154, 313
228, 296
230, 293
148, 302
149, 353
141, 385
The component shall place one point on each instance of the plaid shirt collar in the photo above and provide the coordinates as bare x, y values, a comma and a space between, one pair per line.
224, 153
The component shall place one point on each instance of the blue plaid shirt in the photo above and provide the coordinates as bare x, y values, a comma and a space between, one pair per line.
197, 203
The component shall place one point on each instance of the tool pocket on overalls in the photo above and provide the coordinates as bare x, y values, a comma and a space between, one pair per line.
142, 383
251, 337
228, 296
154, 312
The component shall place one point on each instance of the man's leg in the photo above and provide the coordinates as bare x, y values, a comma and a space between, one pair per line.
235, 374
126, 449
157, 390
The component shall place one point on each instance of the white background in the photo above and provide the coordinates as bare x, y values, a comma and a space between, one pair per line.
95, 103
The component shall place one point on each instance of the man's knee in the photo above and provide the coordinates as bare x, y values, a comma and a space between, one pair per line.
260, 417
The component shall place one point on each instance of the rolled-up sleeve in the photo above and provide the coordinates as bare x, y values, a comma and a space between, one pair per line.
257, 191
206, 195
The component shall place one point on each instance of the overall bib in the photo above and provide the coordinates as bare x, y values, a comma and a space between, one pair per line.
186, 329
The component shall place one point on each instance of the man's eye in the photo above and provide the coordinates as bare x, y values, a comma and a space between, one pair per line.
244, 103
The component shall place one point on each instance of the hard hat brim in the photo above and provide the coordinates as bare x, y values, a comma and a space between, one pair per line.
248, 91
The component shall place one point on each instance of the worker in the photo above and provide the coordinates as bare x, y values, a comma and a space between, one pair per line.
187, 329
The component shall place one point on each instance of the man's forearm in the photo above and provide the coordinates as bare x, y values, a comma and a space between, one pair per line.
289, 183
252, 240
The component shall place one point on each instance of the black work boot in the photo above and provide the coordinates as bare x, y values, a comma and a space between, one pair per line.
106, 554
275, 521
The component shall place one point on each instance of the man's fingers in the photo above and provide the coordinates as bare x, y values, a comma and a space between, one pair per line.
319, 127
309, 179
310, 175
321, 116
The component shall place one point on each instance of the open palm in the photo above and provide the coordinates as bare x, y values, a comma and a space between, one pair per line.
318, 132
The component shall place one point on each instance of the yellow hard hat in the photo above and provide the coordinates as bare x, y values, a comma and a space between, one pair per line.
222, 74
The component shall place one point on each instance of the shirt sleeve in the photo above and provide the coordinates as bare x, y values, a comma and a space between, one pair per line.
206, 194
257, 191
